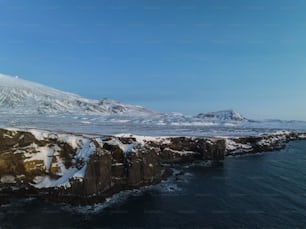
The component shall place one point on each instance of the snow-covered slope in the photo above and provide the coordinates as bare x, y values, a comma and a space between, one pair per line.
226, 115
25, 97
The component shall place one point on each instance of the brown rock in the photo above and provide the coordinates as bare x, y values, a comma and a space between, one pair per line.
116, 151
98, 174
135, 170
215, 150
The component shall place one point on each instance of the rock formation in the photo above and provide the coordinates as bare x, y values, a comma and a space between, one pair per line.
86, 169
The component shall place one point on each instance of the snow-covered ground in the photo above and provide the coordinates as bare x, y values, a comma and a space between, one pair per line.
24, 104
110, 125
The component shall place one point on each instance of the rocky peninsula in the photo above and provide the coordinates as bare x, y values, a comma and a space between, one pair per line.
86, 169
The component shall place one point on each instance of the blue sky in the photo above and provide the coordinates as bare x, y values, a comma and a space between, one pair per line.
187, 56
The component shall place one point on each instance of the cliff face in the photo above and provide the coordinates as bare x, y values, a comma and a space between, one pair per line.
85, 169
110, 172
66, 165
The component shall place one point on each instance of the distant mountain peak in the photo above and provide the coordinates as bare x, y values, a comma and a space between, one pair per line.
224, 115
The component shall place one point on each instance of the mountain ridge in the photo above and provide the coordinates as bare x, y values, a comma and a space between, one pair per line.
223, 115
19, 96
26, 97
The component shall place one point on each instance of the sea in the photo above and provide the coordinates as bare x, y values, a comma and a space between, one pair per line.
266, 190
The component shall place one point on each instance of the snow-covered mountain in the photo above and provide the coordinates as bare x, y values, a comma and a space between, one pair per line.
22, 103
226, 115
25, 97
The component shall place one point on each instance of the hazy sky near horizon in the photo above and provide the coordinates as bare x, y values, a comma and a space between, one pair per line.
187, 56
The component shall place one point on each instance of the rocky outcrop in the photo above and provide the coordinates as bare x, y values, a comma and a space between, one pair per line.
264, 143
84, 169
187, 149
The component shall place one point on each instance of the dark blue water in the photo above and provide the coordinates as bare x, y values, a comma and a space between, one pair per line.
259, 191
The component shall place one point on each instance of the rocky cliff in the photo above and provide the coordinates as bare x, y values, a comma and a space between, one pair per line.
83, 169
263, 143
